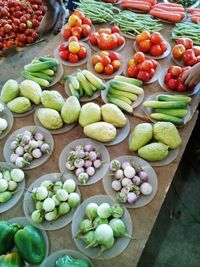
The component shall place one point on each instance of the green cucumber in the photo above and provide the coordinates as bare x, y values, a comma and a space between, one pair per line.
184, 98
169, 118
40, 66
128, 80
121, 104
48, 72
131, 96
167, 104
181, 113
44, 59
41, 75
41, 82
126, 87
127, 100
73, 91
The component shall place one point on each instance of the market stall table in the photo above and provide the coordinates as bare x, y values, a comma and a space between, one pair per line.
143, 218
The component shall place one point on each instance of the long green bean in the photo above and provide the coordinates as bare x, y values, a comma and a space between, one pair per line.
187, 30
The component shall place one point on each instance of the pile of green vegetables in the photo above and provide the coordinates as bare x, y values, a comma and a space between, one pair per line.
54, 199
28, 241
68, 261
133, 24
9, 180
102, 225
185, 3
187, 30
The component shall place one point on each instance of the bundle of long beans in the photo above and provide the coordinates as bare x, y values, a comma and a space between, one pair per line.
133, 24
187, 30
98, 12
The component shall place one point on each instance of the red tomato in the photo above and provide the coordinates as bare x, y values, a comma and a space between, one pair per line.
99, 67
151, 73
155, 63
106, 41
7, 28
104, 53
139, 57
189, 58
116, 64
109, 69
67, 33
168, 76
76, 31
63, 47
72, 39
22, 27
138, 39
113, 56
64, 55
178, 51
181, 87
196, 50
105, 60
86, 21
30, 40
143, 76
145, 35
79, 14
172, 84
176, 71
120, 40
96, 59
82, 53
146, 65
144, 46
156, 38
115, 29
86, 30
156, 50
22, 38
132, 72
163, 46
93, 38
188, 43
73, 58
131, 62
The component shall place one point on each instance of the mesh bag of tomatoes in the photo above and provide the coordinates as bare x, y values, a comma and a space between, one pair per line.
173, 79
107, 39
187, 52
153, 44
141, 68
106, 62
19, 21
78, 25
73, 51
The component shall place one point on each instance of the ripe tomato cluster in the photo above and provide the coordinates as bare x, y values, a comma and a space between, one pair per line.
19, 21
154, 43
185, 50
106, 62
78, 25
141, 68
106, 38
173, 79
72, 51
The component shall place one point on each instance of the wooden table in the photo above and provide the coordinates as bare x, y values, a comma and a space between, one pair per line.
143, 218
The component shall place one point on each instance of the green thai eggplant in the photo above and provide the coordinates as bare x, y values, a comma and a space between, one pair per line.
12, 259
68, 261
30, 244
7, 233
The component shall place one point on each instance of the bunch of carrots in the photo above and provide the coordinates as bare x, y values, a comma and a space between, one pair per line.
195, 15
171, 12
141, 5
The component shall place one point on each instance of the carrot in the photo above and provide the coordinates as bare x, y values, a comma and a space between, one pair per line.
191, 10
152, 2
171, 17
195, 19
137, 5
182, 14
170, 4
169, 8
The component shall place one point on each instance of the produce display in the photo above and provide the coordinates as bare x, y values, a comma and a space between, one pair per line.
124, 92
153, 143
187, 30
171, 108
78, 26
172, 79
3, 122
107, 39
26, 240
152, 44
185, 52
53, 200
84, 83
106, 62
42, 70
140, 68
132, 24
170, 12
69, 261
185, 3
28, 146
73, 51
194, 14
139, 5
9, 179
101, 226
19, 22
84, 160
129, 181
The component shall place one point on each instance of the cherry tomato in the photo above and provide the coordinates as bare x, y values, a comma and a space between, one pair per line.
35, 22
156, 38
67, 33
7, 28
22, 38
93, 38
144, 46
30, 40
105, 60
28, 32
146, 65
82, 52
72, 39
73, 58
99, 67
113, 56
115, 29
87, 21
86, 30
132, 71
96, 59
139, 57
109, 69
35, 36
156, 50
143, 76
22, 27
116, 64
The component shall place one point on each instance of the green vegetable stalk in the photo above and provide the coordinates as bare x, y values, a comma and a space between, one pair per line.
68, 261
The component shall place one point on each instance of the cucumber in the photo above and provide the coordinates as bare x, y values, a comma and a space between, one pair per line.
44, 59
48, 72
42, 76
121, 104
37, 67
169, 118
85, 84
73, 91
131, 96
126, 87
128, 80
41, 82
81, 92
35, 61
181, 113
167, 104
125, 99
184, 98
